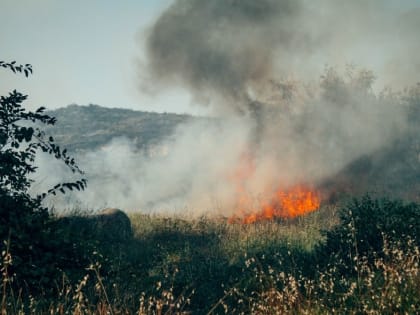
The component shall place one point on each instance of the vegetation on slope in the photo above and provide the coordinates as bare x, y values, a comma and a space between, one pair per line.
87, 128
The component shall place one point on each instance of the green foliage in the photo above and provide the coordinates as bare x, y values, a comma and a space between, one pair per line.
23, 219
366, 224
26, 69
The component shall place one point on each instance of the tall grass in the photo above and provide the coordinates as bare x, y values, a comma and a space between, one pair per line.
176, 265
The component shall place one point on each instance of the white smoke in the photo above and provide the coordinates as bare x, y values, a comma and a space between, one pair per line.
257, 64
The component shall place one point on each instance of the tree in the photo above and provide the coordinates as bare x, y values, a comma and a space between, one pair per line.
23, 219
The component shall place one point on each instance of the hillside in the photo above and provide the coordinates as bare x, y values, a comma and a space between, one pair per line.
392, 171
84, 128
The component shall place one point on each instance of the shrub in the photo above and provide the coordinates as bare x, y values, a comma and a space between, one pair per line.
365, 223
23, 219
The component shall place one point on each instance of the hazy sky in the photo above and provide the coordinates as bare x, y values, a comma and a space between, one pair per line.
81, 51
87, 51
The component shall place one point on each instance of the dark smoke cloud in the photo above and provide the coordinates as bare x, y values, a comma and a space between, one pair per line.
221, 49
264, 58
226, 51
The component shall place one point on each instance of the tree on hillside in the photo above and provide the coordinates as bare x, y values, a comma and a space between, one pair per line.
23, 219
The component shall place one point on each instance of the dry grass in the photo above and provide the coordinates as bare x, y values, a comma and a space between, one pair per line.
391, 285
206, 266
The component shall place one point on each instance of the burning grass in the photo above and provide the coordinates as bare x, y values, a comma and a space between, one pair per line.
177, 265
290, 203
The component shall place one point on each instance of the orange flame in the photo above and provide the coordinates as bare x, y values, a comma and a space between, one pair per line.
290, 203
296, 201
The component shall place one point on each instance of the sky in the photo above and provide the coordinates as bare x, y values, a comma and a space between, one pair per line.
83, 52
88, 52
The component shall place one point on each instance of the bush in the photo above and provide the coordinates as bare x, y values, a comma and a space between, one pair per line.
366, 224
24, 222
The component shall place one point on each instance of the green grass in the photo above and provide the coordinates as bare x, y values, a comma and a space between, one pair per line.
178, 265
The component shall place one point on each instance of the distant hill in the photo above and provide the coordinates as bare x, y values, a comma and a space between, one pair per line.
83, 128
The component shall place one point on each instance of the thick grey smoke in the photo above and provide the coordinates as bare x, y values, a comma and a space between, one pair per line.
225, 51
191, 173
308, 136
258, 64
221, 49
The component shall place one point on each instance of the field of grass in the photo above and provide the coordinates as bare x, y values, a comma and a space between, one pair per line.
358, 258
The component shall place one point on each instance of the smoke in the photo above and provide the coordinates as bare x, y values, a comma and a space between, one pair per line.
220, 49
225, 51
258, 65
306, 138
192, 172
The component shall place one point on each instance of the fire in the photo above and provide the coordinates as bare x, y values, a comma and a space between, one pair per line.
281, 203
290, 203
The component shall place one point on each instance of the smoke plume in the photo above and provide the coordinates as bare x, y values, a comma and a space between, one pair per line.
230, 49
221, 49
261, 65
